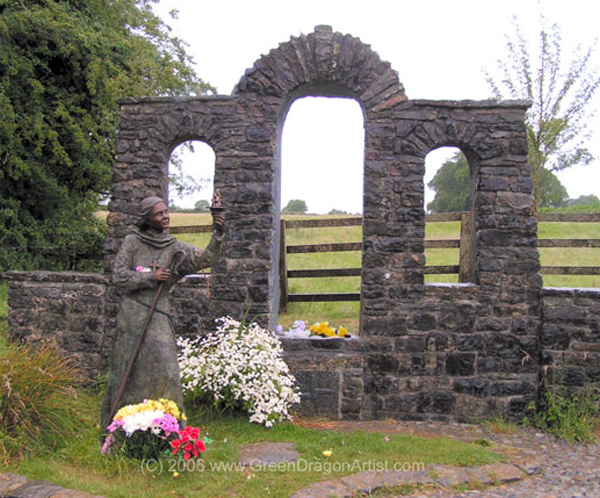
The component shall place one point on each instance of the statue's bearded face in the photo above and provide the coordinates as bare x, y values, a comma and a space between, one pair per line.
159, 218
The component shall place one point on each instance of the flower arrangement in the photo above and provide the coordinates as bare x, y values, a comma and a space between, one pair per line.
151, 429
320, 329
324, 330
239, 366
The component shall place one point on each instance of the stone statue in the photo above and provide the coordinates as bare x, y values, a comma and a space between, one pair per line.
149, 262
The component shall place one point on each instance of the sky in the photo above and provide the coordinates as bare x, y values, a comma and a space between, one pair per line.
439, 49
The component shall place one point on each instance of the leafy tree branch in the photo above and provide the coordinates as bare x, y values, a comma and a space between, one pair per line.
561, 92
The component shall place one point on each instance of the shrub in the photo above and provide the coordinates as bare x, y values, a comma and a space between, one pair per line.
72, 244
239, 367
41, 400
568, 415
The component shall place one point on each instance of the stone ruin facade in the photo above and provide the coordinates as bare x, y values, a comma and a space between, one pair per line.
453, 352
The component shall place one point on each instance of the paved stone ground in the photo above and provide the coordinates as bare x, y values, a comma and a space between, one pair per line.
551, 468
538, 466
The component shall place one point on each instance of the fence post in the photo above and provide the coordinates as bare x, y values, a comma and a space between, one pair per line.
283, 287
464, 260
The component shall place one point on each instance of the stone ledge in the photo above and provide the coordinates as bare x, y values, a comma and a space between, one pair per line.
473, 104
55, 276
592, 292
334, 344
171, 100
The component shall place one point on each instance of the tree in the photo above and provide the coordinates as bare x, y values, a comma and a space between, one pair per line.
180, 183
451, 186
295, 206
202, 205
553, 194
63, 66
560, 94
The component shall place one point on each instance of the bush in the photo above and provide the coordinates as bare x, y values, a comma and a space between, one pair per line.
41, 400
239, 367
73, 242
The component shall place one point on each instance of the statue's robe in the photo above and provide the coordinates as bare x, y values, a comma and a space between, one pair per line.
155, 373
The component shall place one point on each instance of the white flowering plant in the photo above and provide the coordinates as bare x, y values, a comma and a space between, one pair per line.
239, 367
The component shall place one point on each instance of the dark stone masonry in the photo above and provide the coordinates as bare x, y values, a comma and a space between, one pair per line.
449, 352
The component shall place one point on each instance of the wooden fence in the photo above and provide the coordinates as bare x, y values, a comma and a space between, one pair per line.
462, 269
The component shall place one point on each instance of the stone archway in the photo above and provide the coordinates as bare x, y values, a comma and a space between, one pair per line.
244, 130
451, 351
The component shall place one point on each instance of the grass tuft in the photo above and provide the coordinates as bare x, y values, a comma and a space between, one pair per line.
569, 415
41, 399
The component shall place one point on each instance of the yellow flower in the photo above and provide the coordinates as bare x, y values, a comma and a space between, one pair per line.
327, 453
175, 474
325, 329
162, 404
342, 332
171, 408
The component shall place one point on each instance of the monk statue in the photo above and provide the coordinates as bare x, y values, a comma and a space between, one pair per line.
148, 264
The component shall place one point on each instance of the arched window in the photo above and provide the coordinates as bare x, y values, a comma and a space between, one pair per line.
322, 178
447, 203
191, 173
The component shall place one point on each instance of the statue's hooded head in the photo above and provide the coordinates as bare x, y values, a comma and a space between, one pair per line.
146, 207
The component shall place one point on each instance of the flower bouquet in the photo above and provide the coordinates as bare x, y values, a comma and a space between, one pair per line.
323, 329
151, 429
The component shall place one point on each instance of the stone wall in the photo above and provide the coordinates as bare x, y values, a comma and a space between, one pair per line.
571, 337
72, 312
66, 310
330, 375
440, 368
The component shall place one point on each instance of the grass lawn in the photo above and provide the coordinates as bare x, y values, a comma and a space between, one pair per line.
79, 464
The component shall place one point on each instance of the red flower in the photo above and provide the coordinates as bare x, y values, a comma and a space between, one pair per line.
190, 441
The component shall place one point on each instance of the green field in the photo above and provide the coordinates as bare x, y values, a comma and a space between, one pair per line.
347, 313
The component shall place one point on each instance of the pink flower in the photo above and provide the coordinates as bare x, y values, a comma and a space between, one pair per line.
115, 425
107, 442
139, 268
169, 424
